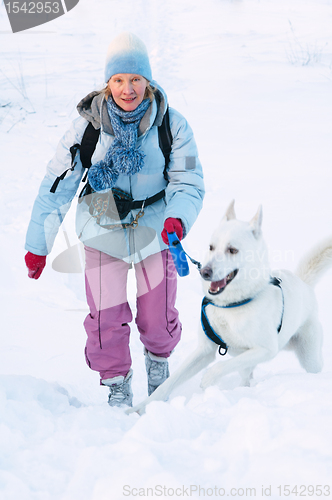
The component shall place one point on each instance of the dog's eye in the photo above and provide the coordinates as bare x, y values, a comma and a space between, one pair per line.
211, 248
232, 250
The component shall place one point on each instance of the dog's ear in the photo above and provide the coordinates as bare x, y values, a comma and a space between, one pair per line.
256, 222
230, 212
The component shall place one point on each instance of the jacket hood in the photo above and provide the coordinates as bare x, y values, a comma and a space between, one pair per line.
93, 108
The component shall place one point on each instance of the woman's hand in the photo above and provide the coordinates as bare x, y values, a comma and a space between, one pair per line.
172, 226
35, 264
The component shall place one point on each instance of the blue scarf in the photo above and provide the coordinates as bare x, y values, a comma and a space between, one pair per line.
122, 157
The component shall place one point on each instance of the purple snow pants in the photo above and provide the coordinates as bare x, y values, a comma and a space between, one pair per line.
107, 325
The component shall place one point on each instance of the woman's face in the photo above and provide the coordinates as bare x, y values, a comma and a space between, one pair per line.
127, 90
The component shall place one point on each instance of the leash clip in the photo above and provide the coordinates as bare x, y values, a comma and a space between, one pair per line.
138, 216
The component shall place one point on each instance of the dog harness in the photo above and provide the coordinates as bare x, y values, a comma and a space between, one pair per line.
210, 332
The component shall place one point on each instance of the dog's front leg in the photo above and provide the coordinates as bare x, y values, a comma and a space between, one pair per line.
244, 361
199, 359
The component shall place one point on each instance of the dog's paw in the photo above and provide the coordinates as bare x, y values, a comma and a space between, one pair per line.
210, 377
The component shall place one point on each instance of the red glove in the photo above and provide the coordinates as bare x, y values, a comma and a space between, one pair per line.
172, 226
35, 264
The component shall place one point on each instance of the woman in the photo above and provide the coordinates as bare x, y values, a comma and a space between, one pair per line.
128, 166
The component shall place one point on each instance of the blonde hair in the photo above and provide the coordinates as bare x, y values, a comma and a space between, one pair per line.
149, 92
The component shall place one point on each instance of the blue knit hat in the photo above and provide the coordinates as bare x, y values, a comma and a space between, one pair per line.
127, 54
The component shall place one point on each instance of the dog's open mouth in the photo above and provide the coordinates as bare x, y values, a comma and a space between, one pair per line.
219, 286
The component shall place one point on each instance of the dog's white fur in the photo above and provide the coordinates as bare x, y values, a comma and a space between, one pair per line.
250, 330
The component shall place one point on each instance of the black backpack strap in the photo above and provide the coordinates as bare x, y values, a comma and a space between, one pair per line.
88, 144
165, 140
87, 147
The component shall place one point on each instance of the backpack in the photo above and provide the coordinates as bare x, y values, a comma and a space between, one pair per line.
89, 142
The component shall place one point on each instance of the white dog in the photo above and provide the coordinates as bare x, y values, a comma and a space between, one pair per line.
253, 315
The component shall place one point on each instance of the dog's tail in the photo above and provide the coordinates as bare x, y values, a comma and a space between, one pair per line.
317, 261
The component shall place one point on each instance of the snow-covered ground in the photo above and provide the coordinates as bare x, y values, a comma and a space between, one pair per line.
254, 80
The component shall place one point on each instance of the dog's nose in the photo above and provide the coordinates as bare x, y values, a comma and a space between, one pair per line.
206, 273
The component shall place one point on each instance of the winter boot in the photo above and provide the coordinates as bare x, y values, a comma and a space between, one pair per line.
120, 390
157, 370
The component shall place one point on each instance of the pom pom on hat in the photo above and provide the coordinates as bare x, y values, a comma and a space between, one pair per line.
127, 54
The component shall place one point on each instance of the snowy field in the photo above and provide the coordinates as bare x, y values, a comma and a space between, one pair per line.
254, 79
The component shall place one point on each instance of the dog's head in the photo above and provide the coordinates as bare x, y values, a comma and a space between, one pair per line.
237, 260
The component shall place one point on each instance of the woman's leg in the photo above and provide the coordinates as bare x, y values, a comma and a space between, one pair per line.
157, 318
107, 347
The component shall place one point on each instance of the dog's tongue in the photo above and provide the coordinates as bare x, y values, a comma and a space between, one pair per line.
216, 285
